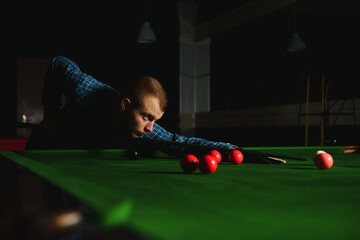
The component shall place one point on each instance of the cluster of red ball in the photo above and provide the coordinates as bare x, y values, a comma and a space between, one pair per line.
209, 162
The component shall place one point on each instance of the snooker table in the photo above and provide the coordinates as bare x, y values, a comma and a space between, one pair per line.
151, 198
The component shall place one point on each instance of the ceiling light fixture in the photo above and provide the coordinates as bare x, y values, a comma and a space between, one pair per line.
146, 34
296, 44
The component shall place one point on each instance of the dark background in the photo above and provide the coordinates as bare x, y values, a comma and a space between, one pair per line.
250, 66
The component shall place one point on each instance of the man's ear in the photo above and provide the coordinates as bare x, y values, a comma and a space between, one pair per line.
124, 104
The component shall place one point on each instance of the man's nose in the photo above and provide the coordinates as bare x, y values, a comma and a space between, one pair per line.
149, 126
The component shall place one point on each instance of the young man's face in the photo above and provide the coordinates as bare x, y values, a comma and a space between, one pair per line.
142, 119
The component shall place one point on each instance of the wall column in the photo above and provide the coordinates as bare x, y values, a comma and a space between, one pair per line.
194, 68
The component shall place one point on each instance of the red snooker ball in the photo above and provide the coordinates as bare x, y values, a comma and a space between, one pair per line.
324, 160
207, 164
216, 154
189, 163
235, 156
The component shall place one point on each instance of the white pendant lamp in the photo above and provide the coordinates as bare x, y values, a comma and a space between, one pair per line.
296, 44
146, 34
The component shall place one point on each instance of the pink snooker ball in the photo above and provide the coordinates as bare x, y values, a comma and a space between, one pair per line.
324, 160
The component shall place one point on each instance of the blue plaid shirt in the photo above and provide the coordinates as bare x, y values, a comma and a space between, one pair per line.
92, 98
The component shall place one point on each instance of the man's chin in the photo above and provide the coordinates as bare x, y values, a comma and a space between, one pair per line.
136, 135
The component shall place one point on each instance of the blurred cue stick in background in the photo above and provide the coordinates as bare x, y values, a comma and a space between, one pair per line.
351, 149
307, 110
323, 113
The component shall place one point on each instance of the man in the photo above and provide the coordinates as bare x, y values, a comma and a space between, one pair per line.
82, 112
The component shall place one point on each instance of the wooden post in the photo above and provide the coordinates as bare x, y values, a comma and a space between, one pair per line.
307, 111
322, 111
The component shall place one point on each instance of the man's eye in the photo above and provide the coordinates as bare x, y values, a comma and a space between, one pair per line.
146, 118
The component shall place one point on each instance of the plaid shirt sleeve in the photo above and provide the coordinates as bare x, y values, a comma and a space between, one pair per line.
159, 133
65, 77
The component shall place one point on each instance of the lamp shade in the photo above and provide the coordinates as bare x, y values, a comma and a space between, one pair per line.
146, 34
295, 43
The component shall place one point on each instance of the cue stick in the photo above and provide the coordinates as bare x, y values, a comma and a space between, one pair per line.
351, 149
196, 146
156, 143
326, 102
322, 112
282, 161
284, 156
307, 111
